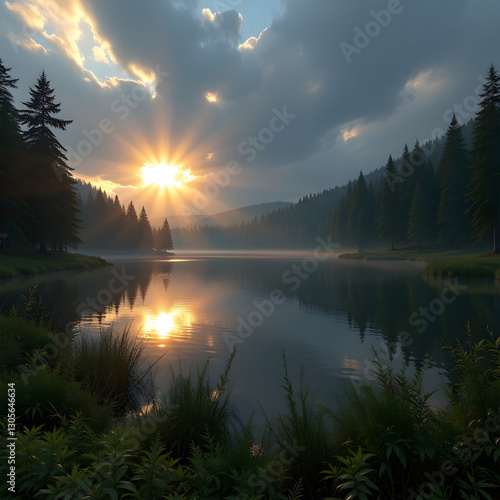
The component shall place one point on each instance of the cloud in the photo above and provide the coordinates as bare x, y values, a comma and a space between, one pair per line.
221, 90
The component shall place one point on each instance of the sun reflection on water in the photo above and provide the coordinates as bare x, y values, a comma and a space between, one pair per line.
174, 324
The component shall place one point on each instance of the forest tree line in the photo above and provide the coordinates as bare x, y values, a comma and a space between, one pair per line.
444, 192
39, 203
418, 204
108, 225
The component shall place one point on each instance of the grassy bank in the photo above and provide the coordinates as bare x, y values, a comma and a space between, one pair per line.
80, 433
467, 262
15, 263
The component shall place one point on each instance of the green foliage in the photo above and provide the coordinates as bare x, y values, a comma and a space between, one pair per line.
111, 367
485, 180
393, 420
454, 175
478, 388
197, 408
303, 440
386, 442
351, 477
390, 209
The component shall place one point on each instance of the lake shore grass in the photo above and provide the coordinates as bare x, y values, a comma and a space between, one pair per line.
74, 439
24, 262
471, 261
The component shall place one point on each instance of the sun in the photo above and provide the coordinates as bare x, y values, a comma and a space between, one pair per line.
165, 175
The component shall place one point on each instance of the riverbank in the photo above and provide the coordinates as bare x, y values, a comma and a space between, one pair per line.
15, 263
470, 262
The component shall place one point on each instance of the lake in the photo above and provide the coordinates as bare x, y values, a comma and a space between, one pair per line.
327, 314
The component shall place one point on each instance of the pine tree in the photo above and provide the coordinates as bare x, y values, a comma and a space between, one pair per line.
453, 174
484, 193
419, 231
13, 180
53, 197
406, 188
389, 211
164, 238
131, 228
145, 232
360, 214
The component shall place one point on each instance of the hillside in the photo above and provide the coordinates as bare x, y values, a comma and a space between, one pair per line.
299, 225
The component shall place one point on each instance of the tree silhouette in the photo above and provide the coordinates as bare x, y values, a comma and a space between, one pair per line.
13, 212
389, 211
453, 174
145, 231
419, 230
52, 197
484, 194
164, 238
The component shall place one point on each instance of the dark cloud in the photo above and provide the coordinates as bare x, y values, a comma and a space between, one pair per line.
315, 61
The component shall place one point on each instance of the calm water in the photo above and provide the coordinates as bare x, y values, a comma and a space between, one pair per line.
327, 318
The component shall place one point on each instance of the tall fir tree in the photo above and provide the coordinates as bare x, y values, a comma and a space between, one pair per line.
164, 238
53, 197
389, 210
145, 232
419, 230
453, 175
13, 180
484, 188
360, 214
131, 228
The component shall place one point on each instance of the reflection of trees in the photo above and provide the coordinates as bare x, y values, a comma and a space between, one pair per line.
68, 294
383, 299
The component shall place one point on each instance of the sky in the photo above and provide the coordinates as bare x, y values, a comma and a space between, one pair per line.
246, 101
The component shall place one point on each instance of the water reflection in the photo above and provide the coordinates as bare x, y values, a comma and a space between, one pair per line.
328, 324
174, 324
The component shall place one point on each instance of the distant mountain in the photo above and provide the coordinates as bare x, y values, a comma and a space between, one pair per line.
243, 215
299, 224
177, 220
228, 217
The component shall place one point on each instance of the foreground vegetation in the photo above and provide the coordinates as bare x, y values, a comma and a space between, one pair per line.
19, 262
82, 434
465, 262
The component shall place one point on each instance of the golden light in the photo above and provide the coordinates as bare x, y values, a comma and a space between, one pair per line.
166, 175
211, 97
177, 322
348, 134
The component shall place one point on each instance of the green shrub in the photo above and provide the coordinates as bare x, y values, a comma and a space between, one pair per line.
196, 409
304, 442
111, 367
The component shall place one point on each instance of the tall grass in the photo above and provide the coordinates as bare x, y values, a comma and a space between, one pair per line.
301, 435
392, 420
197, 409
478, 388
111, 366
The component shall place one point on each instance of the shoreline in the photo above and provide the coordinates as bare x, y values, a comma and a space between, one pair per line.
26, 263
469, 262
